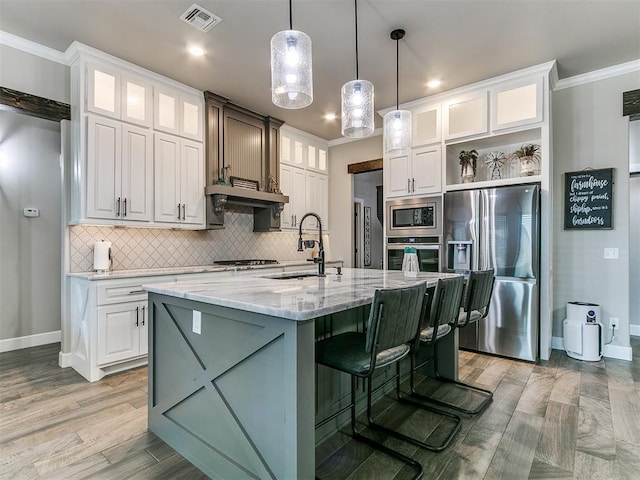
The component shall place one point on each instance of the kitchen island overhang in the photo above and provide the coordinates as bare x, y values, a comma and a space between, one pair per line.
232, 366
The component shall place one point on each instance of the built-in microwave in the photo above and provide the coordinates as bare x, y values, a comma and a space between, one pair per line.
413, 217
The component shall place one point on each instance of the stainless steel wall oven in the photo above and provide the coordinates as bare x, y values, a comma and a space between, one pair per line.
414, 222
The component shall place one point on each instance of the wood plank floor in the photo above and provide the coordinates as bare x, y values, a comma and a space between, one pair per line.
561, 419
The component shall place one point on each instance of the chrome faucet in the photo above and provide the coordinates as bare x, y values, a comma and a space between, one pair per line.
310, 243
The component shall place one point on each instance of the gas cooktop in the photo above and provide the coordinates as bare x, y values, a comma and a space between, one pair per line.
245, 262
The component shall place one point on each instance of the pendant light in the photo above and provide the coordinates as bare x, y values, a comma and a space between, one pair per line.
357, 102
397, 124
291, 76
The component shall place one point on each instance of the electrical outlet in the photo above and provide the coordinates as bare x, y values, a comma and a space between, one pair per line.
611, 253
613, 321
197, 322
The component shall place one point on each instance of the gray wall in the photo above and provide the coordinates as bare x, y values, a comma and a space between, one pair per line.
29, 247
590, 131
33, 74
634, 242
364, 187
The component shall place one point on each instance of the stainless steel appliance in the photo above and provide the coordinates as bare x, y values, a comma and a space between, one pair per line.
499, 228
412, 217
427, 250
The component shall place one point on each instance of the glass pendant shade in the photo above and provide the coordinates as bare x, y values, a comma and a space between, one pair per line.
291, 75
397, 132
357, 109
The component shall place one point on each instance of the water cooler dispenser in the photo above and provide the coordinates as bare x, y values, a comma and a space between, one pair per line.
583, 334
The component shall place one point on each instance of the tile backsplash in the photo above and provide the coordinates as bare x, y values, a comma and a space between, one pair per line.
140, 248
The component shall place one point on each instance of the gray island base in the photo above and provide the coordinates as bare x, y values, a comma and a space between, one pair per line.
232, 368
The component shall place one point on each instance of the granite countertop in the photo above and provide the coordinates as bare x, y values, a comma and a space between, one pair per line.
295, 299
152, 272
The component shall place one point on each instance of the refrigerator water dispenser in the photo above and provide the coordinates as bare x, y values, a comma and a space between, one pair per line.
459, 255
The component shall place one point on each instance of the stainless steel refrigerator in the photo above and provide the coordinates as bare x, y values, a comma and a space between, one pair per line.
499, 228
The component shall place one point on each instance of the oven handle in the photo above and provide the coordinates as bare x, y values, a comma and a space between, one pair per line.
420, 246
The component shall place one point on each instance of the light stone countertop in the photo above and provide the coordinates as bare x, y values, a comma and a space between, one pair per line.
295, 299
152, 272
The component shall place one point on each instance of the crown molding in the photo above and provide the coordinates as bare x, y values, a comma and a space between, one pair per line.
19, 43
596, 75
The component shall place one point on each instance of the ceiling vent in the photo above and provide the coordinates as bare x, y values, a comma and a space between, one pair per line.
199, 18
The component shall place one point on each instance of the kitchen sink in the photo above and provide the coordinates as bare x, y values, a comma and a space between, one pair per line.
292, 275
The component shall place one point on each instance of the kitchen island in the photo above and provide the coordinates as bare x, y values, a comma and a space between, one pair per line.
232, 368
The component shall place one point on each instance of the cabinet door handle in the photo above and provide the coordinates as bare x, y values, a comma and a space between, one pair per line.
184, 208
125, 207
136, 292
413, 187
137, 312
178, 211
408, 185
118, 207
143, 309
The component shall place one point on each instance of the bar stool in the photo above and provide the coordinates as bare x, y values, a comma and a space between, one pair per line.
475, 306
391, 328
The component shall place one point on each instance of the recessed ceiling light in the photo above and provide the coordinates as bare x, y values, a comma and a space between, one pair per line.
195, 50
330, 116
433, 83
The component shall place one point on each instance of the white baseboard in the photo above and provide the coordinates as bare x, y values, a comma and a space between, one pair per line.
634, 330
64, 360
17, 343
610, 351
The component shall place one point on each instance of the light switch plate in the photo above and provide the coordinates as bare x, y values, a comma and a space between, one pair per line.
197, 322
611, 253
31, 212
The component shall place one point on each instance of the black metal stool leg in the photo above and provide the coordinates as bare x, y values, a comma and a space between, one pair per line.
372, 443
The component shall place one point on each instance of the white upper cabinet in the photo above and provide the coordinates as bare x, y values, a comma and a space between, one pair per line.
426, 125
416, 174
119, 171
179, 180
137, 100
117, 94
103, 90
304, 166
177, 113
466, 115
426, 168
517, 103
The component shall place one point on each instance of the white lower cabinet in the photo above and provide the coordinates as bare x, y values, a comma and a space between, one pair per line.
108, 321
122, 332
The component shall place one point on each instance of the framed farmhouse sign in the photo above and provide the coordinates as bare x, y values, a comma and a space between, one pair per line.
588, 199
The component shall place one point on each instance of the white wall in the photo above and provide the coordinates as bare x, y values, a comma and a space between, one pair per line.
341, 191
29, 247
364, 187
34, 74
590, 131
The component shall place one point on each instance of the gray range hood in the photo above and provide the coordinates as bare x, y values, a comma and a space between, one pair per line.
267, 207
244, 145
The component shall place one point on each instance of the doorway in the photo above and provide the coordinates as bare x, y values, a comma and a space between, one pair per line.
30, 239
368, 238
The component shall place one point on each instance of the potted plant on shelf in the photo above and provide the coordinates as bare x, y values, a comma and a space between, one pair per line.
529, 156
468, 161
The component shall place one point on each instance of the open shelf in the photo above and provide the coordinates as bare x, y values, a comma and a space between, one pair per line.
509, 171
